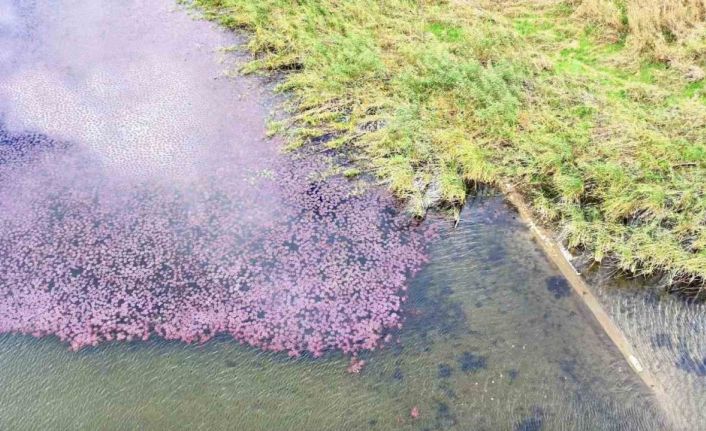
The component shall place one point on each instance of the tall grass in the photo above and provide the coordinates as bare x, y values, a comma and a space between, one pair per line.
656, 23
433, 96
667, 30
607, 14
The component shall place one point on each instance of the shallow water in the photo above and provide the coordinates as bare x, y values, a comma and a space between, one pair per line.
489, 342
124, 146
668, 335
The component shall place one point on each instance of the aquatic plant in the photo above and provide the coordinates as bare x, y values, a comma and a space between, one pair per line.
558, 286
445, 371
471, 362
283, 262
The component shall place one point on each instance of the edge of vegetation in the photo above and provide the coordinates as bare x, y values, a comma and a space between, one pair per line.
594, 110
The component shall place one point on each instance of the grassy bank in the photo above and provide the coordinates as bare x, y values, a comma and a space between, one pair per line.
595, 110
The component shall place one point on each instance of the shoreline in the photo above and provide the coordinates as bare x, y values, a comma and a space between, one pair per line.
557, 254
430, 99
554, 251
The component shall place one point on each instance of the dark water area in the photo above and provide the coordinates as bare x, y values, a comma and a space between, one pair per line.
164, 266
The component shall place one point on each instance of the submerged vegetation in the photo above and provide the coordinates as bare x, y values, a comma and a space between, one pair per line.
594, 109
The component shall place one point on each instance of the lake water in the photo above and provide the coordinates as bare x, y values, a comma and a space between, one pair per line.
178, 271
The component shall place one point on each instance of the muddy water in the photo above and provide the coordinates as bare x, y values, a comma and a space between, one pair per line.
125, 146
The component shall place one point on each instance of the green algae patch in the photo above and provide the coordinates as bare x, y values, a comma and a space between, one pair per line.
606, 142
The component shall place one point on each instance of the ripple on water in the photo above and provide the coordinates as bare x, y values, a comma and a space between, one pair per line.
139, 198
667, 335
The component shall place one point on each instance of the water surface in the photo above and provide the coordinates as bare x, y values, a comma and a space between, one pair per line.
667, 332
142, 201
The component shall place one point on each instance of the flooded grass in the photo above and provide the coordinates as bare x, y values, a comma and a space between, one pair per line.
608, 145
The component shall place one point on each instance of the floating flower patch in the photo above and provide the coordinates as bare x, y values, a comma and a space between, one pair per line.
280, 261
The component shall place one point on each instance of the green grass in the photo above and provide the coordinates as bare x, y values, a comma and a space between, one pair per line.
435, 96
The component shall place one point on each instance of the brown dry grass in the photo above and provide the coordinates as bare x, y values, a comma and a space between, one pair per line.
672, 31
662, 27
603, 13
